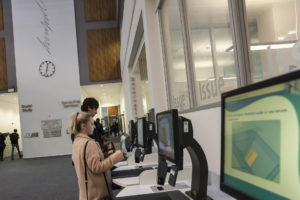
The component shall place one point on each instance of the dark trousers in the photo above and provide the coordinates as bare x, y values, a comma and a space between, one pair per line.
13, 149
1, 152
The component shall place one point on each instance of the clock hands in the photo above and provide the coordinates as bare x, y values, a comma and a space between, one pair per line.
47, 68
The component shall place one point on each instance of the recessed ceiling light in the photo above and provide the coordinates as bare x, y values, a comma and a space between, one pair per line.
291, 32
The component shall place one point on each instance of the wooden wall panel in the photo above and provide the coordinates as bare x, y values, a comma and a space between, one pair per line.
104, 54
1, 16
113, 110
100, 10
3, 75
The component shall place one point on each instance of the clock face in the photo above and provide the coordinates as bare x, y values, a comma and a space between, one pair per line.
47, 68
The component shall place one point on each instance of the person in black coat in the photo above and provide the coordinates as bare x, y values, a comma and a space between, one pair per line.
2, 145
14, 139
91, 105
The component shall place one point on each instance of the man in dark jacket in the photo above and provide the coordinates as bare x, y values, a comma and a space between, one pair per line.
91, 105
14, 139
2, 145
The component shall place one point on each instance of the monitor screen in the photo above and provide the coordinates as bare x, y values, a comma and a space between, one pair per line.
131, 129
151, 115
260, 140
140, 131
165, 133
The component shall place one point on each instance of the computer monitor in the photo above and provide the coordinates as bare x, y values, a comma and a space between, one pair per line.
132, 131
169, 135
151, 115
260, 157
141, 132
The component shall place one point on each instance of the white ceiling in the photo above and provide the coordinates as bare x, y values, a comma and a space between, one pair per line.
107, 94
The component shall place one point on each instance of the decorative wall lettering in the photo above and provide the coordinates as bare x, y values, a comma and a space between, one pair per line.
26, 108
46, 26
210, 88
73, 103
31, 135
179, 101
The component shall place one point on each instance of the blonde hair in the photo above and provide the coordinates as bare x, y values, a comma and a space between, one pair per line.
76, 120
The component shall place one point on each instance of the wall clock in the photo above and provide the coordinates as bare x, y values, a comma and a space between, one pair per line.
47, 68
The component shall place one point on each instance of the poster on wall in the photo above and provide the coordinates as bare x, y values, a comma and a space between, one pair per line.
51, 128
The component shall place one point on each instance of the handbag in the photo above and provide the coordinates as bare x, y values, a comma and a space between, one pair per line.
86, 177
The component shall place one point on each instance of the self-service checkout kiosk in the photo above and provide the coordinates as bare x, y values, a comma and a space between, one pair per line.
175, 133
141, 134
145, 134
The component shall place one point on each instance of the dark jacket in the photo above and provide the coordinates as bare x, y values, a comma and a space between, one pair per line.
14, 137
97, 135
2, 140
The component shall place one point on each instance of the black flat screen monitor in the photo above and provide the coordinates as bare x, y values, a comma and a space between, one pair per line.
169, 136
151, 115
260, 156
141, 131
132, 131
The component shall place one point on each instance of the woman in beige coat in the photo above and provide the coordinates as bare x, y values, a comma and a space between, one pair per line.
98, 186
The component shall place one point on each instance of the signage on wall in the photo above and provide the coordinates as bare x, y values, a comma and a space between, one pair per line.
179, 101
26, 108
51, 128
210, 89
31, 135
73, 103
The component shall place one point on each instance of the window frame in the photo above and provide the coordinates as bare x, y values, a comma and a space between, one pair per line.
240, 38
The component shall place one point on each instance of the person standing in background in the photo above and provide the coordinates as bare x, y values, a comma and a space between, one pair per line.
14, 139
90, 105
2, 145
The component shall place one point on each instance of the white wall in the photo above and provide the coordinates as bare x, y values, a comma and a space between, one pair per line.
10, 120
207, 131
53, 23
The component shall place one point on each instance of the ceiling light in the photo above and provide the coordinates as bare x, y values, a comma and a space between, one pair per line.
10, 90
264, 46
272, 46
280, 38
292, 32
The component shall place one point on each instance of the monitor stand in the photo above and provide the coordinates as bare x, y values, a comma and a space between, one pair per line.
189, 193
199, 169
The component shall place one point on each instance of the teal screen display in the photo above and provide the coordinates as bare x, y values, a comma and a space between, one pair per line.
166, 136
261, 141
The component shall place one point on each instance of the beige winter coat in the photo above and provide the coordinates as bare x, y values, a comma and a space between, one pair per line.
96, 165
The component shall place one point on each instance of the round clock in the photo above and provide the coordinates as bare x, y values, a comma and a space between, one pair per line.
47, 68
